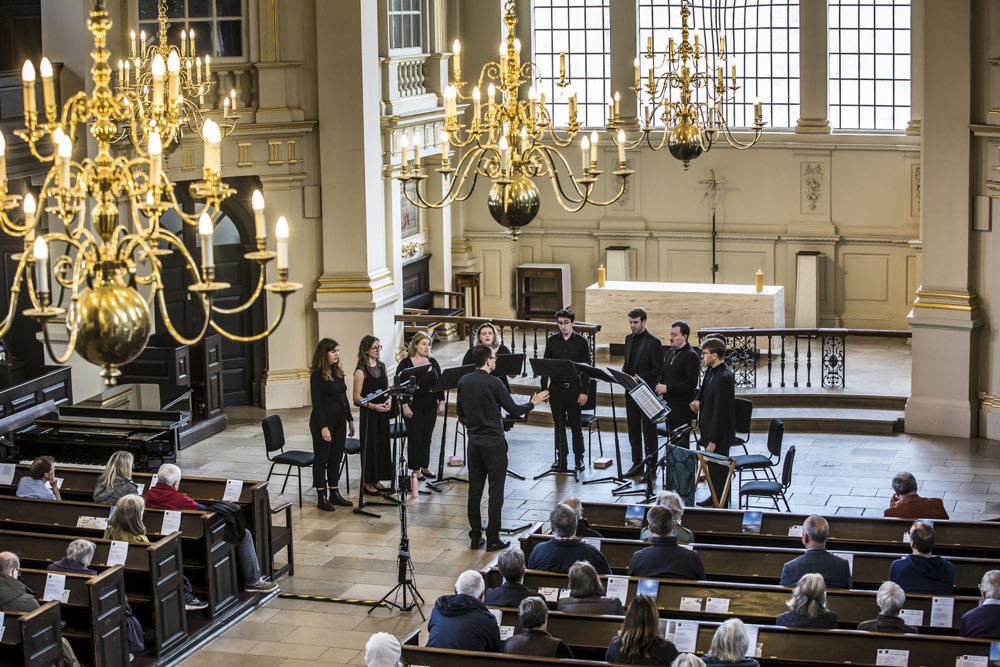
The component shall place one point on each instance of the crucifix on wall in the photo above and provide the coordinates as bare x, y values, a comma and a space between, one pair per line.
712, 185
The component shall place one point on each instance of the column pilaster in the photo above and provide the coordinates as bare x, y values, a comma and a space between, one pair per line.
814, 59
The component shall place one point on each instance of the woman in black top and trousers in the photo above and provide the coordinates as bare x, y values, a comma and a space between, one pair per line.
369, 378
329, 422
421, 410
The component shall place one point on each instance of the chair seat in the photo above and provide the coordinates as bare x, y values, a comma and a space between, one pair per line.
295, 458
761, 488
587, 420
752, 462
397, 430
352, 446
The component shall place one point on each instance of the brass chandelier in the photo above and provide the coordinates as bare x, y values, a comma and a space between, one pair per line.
687, 98
110, 271
509, 140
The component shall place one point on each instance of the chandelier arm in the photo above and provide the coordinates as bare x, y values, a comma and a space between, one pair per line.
740, 145
258, 336
70, 344
250, 300
8, 320
177, 335
453, 193
551, 159
609, 202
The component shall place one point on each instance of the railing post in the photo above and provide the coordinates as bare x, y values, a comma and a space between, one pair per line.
795, 362
834, 359
770, 358
782, 360
809, 350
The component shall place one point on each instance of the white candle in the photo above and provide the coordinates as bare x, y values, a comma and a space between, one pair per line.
64, 153
183, 41
121, 73
159, 69
208, 68
205, 230
3, 163
142, 39
492, 94
155, 158
29, 207
593, 148
232, 99
621, 146
532, 96
281, 233
618, 105
174, 68
41, 252
504, 153
417, 143
131, 36
213, 146
456, 59
445, 148
476, 103
28, 78
404, 149
187, 66
48, 85
257, 201
128, 72
585, 153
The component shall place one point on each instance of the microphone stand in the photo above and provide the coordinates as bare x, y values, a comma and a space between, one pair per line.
388, 501
651, 461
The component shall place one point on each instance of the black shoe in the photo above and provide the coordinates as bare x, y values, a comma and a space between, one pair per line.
427, 474
338, 499
559, 465
707, 502
635, 470
477, 542
191, 603
322, 502
580, 467
499, 545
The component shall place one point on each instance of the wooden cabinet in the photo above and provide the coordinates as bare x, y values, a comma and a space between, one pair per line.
541, 290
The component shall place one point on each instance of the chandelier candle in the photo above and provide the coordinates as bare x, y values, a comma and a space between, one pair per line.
159, 69
257, 202
48, 87
41, 252
64, 157
205, 230
174, 69
213, 146
281, 234
28, 207
28, 78
155, 159
3, 164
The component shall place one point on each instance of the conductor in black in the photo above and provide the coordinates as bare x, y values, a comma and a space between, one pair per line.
679, 378
567, 398
643, 360
480, 397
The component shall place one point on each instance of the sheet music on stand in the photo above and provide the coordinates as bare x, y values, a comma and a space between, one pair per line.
649, 403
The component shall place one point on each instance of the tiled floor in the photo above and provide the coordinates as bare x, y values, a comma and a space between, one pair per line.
346, 555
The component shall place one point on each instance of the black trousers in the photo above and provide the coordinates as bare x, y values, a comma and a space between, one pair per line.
419, 431
486, 463
640, 430
566, 412
328, 455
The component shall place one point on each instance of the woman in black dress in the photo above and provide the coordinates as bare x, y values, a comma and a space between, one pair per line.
421, 411
487, 335
370, 377
329, 422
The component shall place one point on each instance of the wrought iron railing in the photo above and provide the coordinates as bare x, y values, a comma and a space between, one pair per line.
792, 348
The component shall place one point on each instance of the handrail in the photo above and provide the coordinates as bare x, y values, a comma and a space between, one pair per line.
749, 331
579, 327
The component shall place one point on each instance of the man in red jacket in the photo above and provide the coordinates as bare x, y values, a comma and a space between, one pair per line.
165, 495
906, 504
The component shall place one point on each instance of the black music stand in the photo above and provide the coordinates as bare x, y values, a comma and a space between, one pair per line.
597, 374
388, 501
509, 365
557, 370
406, 383
652, 409
448, 381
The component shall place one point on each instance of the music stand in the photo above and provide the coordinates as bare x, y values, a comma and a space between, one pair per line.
362, 503
597, 374
557, 370
407, 382
448, 381
509, 365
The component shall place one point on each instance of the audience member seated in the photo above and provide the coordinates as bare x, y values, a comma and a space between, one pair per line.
512, 590
921, 571
166, 496
836, 571
40, 482
664, 558
672, 502
565, 548
586, 594
583, 529
116, 480
730, 646
984, 620
126, 525
383, 650
906, 504
807, 608
535, 640
890, 599
639, 641
688, 660
461, 621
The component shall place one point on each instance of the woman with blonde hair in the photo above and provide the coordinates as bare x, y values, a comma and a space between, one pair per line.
639, 641
807, 608
672, 502
125, 524
730, 645
116, 480
371, 377
330, 422
421, 411
487, 334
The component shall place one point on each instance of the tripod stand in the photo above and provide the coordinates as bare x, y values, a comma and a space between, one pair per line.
598, 374
389, 501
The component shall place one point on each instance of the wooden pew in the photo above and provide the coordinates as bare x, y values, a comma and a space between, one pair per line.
153, 578
414, 654
762, 565
755, 603
94, 614
208, 559
720, 526
32, 638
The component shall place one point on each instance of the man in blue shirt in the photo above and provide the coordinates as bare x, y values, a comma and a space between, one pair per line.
33, 485
565, 548
922, 571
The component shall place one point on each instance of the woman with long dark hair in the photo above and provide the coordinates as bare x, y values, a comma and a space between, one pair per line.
370, 377
421, 411
330, 422
639, 641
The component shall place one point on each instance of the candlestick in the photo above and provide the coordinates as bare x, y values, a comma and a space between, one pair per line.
48, 85
213, 146
602, 275
456, 60
41, 252
562, 65
205, 230
585, 153
281, 234
404, 149
476, 103
257, 202
621, 146
174, 69
64, 156
159, 69
28, 78
155, 150
759, 282
593, 149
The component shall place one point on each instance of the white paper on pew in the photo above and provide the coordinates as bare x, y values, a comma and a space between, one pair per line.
942, 611
550, 594
668, 628
234, 487
972, 661
906, 538
894, 657
717, 605
618, 588
55, 584
592, 541
6, 477
65, 595
914, 617
690, 604
497, 614
754, 649
686, 636
506, 632
848, 556
153, 480
118, 553
142, 488
563, 593
92, 522
171, 522
795, 531
59, 481
2, 628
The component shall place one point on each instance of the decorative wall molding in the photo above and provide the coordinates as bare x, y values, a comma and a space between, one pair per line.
915, 190
812, 186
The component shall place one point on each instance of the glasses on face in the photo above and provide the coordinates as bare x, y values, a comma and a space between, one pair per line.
376, 346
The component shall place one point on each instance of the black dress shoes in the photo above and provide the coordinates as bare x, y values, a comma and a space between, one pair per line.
635, 470
499, 545
580, 467
476, 542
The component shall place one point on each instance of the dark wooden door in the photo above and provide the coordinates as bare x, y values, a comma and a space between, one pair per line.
20, 33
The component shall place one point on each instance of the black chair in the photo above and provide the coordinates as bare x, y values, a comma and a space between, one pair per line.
743, 415
352, 446
274, 440
591, 422
770, 489
763, 462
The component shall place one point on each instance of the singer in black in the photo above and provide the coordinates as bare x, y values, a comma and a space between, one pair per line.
480, 397
421, 411
643, 360
679, 378
328, 422
567, 398
487, 335
370, 377
716, 405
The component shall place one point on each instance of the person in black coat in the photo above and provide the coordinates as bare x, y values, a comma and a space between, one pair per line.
716, 408
664, 559
487, 335
330, 422
807, 608
510, 562
565, 548
461, 621
679, 378
535, 640
643, 360
421, 410
567, 398
639, 641
836, 571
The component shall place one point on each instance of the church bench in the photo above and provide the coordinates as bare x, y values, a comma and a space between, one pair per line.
33, 638
152, 573
414, 654
762, 565
209, 561
94, 614
755, 603
721, 526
